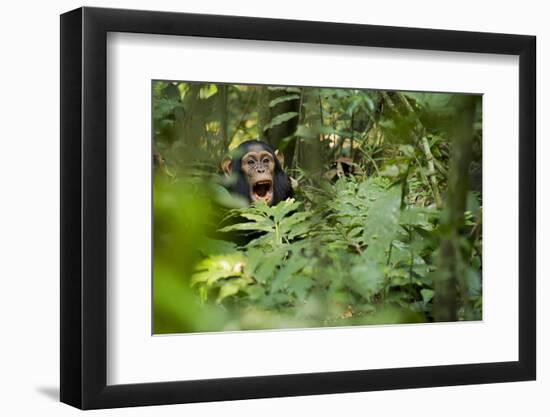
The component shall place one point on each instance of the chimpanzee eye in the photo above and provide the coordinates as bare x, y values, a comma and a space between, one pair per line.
250, 162
265, 161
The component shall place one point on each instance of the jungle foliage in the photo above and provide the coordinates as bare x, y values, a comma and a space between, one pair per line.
385, 226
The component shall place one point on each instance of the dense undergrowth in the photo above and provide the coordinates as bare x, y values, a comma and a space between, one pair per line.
365, 246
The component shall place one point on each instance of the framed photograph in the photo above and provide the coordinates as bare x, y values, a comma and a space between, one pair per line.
257, 208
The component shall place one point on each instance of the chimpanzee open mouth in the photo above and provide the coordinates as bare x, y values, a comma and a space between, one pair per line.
262, 190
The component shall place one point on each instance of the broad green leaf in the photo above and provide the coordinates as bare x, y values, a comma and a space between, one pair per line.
434, 101
258, 218
247, 227
287, 223
279, 119
282, 99
298, 230
382, 224
216, 247
227, 290
208, 91
217, 267
283, 208
300, 286
417, 216
367, 279
268, 266
427, 295
476, 262
291, 266
287, 89
253, 258
226, 199
472, 281
210, 277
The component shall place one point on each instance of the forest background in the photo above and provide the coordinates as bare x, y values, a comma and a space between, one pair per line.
385, 227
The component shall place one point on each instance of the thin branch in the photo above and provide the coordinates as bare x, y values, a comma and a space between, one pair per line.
405, 102
390, 103
245, 112
431, 171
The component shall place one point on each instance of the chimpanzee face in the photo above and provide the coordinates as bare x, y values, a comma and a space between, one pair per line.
256, 173
258, 165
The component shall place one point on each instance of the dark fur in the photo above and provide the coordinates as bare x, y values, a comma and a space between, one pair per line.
281, 183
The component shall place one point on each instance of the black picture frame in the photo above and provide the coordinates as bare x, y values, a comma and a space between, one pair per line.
84, 207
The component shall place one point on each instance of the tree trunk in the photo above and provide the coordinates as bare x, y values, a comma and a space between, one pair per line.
222, 115
310, 146
449, 288
266, 114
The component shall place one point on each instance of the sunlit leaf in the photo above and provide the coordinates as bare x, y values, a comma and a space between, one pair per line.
231, 288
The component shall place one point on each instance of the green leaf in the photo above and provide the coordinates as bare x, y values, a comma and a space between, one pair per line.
226, 199
472, 281
217, 247
382, 224
280, 118
210, 277
217, 267
291, 266
300, 286
208, 91
427, 295
283, 208
367, 279
295, 225
258, 218
253, 259
253, 226
408, 150
476, 263
227, 290
434, 101
417, 216
267, 268
282, 99
287, 89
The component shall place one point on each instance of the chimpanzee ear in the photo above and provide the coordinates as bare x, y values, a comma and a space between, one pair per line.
281, 157
226, 166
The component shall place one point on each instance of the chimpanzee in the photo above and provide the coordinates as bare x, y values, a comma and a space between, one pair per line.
255, 172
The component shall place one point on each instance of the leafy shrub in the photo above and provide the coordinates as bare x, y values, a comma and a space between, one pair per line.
354, 258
